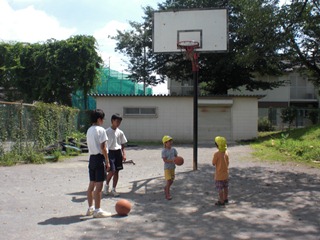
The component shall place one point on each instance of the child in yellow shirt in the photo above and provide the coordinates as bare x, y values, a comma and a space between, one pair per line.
221, 162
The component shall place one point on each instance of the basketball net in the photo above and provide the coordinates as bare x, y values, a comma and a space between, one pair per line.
191, 54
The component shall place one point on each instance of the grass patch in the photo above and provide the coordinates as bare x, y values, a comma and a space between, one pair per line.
23, 156
27, 154
298, 145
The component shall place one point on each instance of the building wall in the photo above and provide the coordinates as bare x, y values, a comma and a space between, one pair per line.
214, 119
280, 94
297, 88
236, 118
174, 117
244, 118
298, 92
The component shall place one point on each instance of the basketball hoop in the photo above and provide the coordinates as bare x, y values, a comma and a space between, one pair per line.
190, 46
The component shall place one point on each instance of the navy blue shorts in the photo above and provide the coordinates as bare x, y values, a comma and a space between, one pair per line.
97, 168
115, 159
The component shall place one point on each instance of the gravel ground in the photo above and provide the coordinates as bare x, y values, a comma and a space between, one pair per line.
270, 201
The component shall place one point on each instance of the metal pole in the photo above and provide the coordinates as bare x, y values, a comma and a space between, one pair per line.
195, 70
195, 121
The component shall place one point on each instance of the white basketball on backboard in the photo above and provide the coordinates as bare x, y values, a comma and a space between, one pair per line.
208, 27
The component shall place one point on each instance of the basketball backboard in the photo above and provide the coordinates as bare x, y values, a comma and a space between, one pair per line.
209, 27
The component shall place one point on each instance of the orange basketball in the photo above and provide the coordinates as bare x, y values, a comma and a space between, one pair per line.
123, 207
178, 160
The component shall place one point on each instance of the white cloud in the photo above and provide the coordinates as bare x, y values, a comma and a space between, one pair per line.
107, 45
29, 25
25, 1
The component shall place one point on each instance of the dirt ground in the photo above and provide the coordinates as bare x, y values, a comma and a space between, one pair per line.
271, 201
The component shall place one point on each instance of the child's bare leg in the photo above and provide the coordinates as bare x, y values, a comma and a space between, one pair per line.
170, 183
221, 195
167, 189
225, 194
115, 179
90, 194
109, 176
97, 194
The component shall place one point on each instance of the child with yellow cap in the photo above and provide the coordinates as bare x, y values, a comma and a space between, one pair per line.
221, 162
168, 154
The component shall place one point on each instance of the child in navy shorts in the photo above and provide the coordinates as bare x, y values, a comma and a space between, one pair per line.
117, 154
98, 162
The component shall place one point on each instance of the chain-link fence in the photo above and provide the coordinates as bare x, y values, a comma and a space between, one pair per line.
34, 125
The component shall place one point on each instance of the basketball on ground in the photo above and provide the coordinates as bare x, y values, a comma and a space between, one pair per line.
178, 160
123, 207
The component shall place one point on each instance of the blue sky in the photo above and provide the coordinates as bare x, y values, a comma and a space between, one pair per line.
39, 20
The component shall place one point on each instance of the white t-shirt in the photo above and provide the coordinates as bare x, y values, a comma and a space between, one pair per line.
115, 138
95, 136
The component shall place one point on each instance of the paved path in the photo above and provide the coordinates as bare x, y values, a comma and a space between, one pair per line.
272, 201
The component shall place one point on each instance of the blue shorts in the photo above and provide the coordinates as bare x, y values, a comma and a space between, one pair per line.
222, 184
97, 168
115, 160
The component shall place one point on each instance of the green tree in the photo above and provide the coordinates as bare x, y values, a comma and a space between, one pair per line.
9, 65
300, 22
85, 62
50, 71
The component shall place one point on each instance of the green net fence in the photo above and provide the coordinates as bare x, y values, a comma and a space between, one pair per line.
112, 82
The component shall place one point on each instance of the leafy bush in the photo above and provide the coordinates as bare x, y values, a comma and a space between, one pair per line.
264, 125
288, 115
314, 116
21, 155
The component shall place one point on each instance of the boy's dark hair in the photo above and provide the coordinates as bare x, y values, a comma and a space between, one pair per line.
116, 116
96, 114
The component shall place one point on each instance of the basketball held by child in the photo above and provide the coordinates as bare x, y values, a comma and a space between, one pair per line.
123, 207
178, 160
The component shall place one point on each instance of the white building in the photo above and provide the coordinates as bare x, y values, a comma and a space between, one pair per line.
298, 92
148, 118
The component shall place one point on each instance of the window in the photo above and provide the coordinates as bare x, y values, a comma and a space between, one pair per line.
272, 116
140, 112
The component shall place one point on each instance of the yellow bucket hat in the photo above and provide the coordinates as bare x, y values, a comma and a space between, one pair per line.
166, 138
222, 143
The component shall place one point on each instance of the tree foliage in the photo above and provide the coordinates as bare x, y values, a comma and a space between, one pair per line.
137, 44
300, 22
257, 44
50, 71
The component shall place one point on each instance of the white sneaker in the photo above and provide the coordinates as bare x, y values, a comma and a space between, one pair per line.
106, 190
90, 211
101, 214
114, 193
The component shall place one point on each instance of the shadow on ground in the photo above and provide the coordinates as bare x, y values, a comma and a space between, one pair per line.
267, 204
